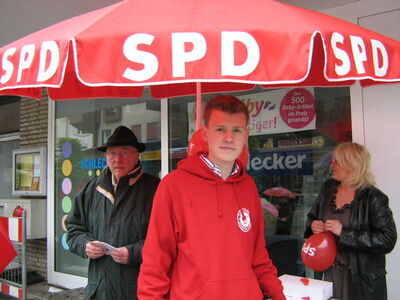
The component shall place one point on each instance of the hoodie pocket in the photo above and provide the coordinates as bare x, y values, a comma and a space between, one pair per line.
236, 289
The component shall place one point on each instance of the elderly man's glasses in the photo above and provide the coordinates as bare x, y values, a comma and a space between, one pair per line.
124, 154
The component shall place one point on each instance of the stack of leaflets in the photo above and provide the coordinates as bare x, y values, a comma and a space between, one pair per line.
106, 246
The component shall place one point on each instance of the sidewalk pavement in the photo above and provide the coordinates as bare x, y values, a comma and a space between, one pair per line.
43, 290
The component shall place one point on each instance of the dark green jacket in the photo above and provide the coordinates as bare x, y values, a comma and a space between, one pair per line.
119, 219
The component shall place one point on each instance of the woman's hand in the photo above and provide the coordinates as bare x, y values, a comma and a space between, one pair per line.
317, 226
333, 226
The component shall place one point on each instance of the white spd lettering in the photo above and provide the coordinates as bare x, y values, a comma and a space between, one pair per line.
308, 250
379, 48
25, 59
49, 48
228, 67
277, 161
132, 53
7, 65
49, 59
181, 56
359, 56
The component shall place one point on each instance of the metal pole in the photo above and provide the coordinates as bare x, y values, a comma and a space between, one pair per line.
23, 250
198, 105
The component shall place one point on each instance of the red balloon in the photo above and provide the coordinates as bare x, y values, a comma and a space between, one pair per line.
319, 251
18, 211
197, 144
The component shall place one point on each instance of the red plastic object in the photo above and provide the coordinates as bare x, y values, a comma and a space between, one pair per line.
18, 211
305, 280
197, 143
319, 251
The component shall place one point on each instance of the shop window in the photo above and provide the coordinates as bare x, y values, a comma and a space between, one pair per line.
9, 114
137, 130
292, 134
153, 131
8, 143
105, 134
80, 127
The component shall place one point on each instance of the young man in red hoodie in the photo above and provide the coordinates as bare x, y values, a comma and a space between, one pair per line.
205, 240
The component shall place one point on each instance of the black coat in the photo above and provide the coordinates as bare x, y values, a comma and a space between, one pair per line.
370, 235
120, 219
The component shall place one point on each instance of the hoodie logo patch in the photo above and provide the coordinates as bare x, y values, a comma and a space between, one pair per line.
243, 219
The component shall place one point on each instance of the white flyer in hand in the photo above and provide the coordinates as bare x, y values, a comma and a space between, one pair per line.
106, 246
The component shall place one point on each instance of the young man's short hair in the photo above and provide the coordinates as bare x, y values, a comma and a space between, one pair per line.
228, 104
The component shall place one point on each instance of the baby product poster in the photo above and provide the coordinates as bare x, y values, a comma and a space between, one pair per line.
281, 110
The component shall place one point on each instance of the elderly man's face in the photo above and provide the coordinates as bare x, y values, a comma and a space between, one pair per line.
121, 160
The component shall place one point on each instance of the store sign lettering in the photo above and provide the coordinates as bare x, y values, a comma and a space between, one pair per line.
281, 110
280, 162
93, 163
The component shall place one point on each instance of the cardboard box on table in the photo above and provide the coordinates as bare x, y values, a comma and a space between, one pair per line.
295, 289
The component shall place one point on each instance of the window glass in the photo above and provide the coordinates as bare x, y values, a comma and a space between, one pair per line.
9, 114
6, 162
292, 134
80, 127
9, 141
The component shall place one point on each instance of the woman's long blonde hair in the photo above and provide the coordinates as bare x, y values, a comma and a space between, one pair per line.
356, 159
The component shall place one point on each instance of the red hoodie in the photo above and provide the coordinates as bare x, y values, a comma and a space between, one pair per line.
205, 240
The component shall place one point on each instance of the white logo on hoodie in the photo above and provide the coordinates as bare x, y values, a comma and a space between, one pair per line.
243, 219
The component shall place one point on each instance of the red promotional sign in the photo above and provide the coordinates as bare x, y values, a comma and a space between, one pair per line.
297, 108
7, 249
170, 45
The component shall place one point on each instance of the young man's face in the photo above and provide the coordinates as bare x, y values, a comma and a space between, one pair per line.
226, 135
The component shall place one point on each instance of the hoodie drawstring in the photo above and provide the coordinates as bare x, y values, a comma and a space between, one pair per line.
219, 198
238, 201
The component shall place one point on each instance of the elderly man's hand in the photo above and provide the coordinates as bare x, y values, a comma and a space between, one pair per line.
94, 251
121, 256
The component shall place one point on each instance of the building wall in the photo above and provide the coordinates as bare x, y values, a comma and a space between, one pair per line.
33, 133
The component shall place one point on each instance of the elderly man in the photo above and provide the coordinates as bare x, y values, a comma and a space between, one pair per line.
113, 209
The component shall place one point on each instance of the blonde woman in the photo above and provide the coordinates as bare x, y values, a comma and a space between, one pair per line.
358, 214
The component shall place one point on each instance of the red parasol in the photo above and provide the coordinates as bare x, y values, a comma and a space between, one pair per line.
268, 206
279, 192
173, 45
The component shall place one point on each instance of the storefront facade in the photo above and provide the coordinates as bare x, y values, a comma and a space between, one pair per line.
292, 132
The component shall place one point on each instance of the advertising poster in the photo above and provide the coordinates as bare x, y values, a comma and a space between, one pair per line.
276, 111
281, 110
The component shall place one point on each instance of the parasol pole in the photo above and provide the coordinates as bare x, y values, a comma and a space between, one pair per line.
198, 105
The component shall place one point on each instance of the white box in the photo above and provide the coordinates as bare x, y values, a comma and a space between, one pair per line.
295, 289
35, 215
